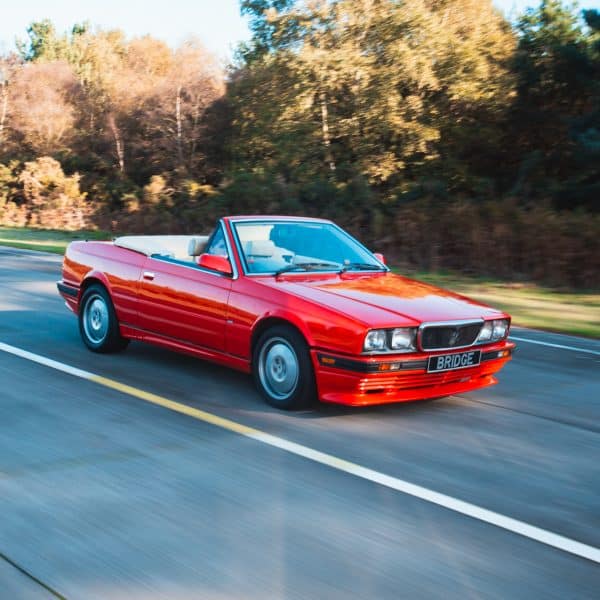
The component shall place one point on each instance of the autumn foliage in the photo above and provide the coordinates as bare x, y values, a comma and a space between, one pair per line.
438, 132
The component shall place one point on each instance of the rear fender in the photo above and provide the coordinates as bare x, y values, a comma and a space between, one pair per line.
94, 276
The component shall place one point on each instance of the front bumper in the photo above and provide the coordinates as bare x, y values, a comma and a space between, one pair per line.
362, 381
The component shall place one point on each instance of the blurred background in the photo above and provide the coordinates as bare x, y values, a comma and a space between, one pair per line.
461, 138
449, 134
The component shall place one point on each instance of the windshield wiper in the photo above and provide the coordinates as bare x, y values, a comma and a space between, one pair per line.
305, 266
360, 266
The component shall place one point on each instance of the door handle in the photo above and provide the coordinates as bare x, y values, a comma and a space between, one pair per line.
148, 275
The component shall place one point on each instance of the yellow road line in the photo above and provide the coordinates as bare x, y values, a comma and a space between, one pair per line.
184, 409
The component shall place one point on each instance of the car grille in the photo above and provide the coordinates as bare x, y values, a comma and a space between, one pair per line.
441, 337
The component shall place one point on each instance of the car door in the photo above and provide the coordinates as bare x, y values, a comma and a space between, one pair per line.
183, 302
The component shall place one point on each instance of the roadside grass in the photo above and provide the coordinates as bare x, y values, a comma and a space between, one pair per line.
530, 305
46, 240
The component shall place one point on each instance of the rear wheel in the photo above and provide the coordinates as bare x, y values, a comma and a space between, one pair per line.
98, 323
283, 370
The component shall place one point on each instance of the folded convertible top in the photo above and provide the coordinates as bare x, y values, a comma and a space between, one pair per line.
175, 246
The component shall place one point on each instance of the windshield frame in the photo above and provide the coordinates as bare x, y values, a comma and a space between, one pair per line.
378, 267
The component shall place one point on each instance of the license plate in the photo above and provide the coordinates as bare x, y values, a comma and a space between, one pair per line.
450, 362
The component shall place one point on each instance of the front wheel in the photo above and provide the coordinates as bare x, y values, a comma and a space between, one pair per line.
283, 370
98, 323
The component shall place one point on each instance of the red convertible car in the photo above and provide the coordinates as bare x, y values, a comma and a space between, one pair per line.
297, 302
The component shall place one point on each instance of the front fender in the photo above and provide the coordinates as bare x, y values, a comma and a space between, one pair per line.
322, 329
286, 316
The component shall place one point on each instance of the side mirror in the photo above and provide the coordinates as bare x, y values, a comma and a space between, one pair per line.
380, 257
214, 262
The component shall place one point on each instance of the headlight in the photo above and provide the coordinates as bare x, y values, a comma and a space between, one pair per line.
375, 340
403, 338
485, 335
493, 331
500, 329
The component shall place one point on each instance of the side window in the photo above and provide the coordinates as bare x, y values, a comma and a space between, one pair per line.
217, 245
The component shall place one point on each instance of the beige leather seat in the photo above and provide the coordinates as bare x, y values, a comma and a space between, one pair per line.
260, 249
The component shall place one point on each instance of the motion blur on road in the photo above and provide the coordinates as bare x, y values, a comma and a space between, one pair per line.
103, 495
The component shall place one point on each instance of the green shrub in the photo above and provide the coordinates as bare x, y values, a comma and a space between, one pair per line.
52, 199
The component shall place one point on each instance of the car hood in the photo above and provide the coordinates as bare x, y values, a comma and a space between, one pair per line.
381, 299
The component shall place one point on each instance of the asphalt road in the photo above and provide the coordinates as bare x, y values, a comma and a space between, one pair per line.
103, 495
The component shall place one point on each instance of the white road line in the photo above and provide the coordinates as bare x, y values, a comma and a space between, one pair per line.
586, 350
48, 362
454, 504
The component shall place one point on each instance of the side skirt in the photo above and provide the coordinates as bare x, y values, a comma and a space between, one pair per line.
221, 358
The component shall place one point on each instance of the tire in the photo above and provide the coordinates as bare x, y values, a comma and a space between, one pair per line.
283, 370
98, 323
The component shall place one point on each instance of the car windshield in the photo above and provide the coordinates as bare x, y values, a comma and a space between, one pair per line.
277, 247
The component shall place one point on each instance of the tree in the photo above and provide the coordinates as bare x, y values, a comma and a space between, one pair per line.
44, 43
42, 114
264, 30
557, 113
7, 69
168, 105
368, 87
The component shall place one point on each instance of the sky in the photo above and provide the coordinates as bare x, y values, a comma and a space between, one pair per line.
217, 23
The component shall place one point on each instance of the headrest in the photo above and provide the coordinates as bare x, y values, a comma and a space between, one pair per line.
197, 245
262, 248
